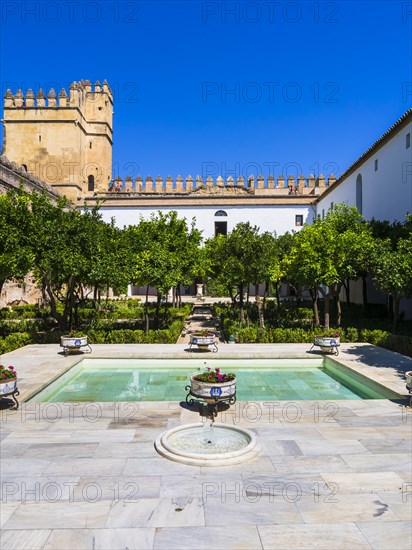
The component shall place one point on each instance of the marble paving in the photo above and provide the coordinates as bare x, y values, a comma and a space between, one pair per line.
87, 476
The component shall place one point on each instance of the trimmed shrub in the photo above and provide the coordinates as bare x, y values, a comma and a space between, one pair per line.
351, 335
96, 336
14, 341
376, 337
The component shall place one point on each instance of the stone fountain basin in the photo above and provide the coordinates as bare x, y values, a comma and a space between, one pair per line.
169, 445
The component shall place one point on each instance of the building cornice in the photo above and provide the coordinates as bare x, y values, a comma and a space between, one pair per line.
184, 201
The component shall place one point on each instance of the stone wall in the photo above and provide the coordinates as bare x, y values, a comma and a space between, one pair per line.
65, 141
260, 186
19, 293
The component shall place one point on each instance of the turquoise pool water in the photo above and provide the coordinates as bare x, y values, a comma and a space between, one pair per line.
100, 380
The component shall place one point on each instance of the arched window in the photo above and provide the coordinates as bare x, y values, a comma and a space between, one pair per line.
90, 183
220, 213
359, 193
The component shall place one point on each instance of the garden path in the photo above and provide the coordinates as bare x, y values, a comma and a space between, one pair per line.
198, 321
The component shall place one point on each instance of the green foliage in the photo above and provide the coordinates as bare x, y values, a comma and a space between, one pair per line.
246, 335
351, 335
31, 326
123, 337
375, 337
128, 336
96, 336
165, 251
7, 373
330, 251
14, 341
28, 311
399, 343
16, 254
392, 270
48, 337
216, 287
243, 257
213, 377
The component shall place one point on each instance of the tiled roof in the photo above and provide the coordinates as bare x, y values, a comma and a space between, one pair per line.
374, 147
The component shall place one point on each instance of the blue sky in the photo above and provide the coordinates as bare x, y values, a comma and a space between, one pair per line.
236, 88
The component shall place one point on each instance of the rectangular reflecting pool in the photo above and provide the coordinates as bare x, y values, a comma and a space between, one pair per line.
109, 380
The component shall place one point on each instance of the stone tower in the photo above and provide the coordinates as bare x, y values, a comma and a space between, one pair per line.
64, 140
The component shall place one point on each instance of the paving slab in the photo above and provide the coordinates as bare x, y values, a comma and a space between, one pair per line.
87, 476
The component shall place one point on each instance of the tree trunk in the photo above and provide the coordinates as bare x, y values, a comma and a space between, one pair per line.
68, 310
390, 306
259, 307
165, 312
157, 312
364, 291
277, 294
266, 295
346, 285
396, 301
298, 296
146, 310
241, 305
76, 314
51, 300
232, 297
95, 294
314, 295
338, 310
326, 301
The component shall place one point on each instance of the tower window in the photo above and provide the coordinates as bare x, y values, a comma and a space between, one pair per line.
90, 145
299, 220
376, 165
408, 140
90, 183
39, 138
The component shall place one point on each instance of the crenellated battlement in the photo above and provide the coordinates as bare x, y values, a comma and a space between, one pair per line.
270, 186
79, 94
65, 137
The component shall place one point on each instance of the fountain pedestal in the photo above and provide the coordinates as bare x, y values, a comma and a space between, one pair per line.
213, 444
211, 392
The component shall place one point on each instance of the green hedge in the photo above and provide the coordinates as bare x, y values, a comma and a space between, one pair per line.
24, 312
14, 341
250, 335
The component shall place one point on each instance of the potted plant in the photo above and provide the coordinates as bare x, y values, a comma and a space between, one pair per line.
408, 376
203, 338
73, 341
8, 380
326, 342
213, 385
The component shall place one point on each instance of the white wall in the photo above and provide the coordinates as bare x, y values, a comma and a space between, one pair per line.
387, 192
268, 218
386, 195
